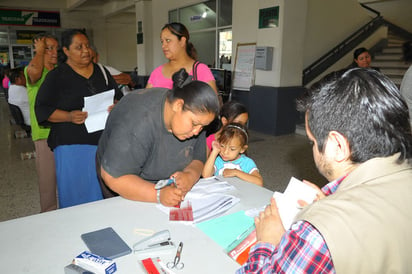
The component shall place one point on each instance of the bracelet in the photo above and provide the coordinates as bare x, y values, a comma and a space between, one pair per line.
158, 196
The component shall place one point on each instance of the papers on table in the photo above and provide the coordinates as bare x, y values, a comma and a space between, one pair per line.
234, 232
287, 202
97, 110
227, 229
207, 199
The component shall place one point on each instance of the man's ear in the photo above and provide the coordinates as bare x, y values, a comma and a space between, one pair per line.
340, 145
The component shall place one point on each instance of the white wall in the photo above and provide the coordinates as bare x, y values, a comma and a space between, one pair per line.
345, 61
329, 23
245, 23
114, 38
293, 32
121, 46
145, 50
160, 16
245, 27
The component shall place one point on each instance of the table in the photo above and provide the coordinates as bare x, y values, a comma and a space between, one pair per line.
47, 242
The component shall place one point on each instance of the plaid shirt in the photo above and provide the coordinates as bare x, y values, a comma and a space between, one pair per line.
302, 249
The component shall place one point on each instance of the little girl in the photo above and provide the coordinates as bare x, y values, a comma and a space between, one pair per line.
227, 158
231, 112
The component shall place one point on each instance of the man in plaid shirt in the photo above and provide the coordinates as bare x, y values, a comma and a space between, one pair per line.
361, 222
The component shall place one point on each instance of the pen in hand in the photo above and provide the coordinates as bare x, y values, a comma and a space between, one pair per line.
162, 183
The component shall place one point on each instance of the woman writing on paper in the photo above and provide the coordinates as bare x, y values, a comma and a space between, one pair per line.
154, 135
59, 104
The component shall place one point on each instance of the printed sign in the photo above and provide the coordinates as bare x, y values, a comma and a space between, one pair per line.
29, 18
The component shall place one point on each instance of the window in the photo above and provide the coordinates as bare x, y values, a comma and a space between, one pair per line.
210, 27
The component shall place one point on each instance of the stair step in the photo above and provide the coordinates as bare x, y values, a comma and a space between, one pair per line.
396, 39
395, 44
392, 50
396, 81
389, 64
393, 71
391, 56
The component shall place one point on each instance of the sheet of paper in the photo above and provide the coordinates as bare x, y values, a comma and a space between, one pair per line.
208, 199
97, 110
287, 202
226, 229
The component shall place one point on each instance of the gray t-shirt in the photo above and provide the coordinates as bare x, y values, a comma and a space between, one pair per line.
136, 141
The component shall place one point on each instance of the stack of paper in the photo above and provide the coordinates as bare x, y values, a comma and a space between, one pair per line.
207, 200
287, 202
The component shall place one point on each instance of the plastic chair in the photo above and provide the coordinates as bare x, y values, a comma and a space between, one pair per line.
18, 118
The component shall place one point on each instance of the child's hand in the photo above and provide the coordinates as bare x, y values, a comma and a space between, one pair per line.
216, 146
229, 172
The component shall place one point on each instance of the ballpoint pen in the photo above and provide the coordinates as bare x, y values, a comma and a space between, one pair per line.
162, 183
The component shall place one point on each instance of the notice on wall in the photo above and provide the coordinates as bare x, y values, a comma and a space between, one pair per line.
244, 69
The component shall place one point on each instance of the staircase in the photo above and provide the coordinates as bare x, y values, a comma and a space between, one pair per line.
390, 59
390, 62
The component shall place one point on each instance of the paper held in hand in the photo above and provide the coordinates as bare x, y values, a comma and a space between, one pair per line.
97, 110
287, 201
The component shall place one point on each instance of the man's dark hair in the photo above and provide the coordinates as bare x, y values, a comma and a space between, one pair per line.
363, 105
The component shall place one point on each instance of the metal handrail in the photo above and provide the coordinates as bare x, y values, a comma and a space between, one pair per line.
347, 45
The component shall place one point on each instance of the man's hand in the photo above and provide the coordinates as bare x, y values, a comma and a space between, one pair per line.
269, 227
319, 194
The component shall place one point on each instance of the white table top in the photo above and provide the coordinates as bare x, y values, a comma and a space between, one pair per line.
47, 242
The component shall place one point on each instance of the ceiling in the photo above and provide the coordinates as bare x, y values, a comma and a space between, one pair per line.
395, 11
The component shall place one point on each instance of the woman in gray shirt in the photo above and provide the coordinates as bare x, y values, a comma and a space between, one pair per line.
157, 134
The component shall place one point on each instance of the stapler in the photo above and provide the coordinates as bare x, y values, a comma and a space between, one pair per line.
160, 242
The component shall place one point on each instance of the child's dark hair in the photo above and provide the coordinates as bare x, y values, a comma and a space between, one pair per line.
234, 130
230, 110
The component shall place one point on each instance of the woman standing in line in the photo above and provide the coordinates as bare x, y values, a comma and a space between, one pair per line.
181, 54
59, 104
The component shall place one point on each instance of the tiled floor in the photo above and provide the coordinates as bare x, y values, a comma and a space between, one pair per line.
277, 157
